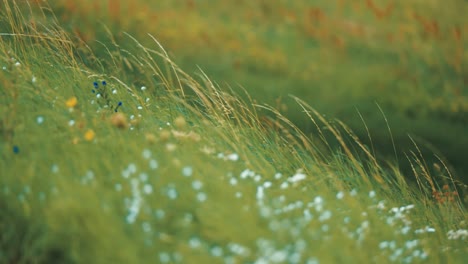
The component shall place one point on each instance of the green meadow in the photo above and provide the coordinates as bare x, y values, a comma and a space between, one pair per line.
345, 58
233, 132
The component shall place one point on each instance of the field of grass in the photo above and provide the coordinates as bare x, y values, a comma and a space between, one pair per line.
111, 153
339, 56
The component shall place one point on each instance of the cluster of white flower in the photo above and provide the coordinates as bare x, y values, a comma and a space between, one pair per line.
457, 234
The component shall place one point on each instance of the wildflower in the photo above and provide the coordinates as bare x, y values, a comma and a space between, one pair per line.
197, 185
148, 189
457, 234
89, 135
232, 157
146, 153
15, 149
325, 216
172, 193
233, 181
117, 108
299, 176
143, 177
40, 119
216, 251
143, 88
153, 164
340, 195
119, 120
95, 84
194, 242
260, 194
247, 173
187, 171
383, 244
201, 196
72, 102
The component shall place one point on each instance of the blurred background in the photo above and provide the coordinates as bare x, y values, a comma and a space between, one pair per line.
342, 57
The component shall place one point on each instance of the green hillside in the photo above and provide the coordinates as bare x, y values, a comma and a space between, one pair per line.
111, 153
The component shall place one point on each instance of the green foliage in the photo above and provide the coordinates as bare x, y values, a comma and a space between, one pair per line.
336, 55
185, 172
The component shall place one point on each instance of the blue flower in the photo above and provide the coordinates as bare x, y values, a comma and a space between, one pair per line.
95, 84
118, 105
15, 149
104, 82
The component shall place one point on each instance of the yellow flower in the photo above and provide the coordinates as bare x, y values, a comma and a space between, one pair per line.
70, 103
89, 135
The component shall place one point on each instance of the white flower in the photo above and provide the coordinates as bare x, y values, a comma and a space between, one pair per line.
146, 153
197, 185
457, 234
201, 196
40, 119
297, 177
325, 216
153, 164
260, 193
232, 157
340, 195
187, 171
247, 173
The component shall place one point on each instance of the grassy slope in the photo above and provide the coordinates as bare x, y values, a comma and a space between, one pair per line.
164, 190
337, 55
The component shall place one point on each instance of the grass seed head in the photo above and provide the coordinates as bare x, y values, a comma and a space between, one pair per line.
150, 138
180, 123
119, 120
165, 135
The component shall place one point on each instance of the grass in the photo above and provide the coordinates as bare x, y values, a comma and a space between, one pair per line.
407, 56
184, 172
